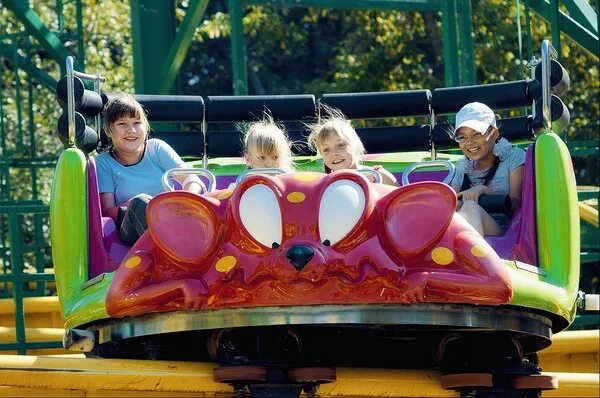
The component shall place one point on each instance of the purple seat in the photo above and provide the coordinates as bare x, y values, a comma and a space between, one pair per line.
106, 250
519, 242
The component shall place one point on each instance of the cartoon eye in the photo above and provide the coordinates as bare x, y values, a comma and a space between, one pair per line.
342, 206
261, 215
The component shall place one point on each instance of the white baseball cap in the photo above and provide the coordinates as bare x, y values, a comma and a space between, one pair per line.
475, 115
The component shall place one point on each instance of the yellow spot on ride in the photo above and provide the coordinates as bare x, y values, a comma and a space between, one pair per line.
296, 197
442, 255
225, 264
306, 176
478, 251
133, 262
225, 194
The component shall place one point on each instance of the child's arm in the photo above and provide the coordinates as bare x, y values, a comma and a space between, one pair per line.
475, 192
191, 183
386, 177
108, 205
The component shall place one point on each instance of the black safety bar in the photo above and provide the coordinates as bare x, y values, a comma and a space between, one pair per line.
380, 105
497, 96
252, 107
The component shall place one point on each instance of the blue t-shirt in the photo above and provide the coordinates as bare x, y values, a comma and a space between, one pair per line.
143, 177
500, 183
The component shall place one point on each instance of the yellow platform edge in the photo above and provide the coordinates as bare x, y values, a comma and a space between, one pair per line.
47, 375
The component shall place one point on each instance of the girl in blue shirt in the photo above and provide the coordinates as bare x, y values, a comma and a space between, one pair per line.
130, 172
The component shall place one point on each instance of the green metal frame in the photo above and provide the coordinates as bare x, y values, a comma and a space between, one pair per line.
36, 28
153, 31
153, 36
457, 29
581, 25
181, 44
154, 22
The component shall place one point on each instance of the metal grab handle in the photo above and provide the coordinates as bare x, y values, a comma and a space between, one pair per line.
431, 163
246, 173
70, 103
168, 185
71, 74
376, 175
548, 52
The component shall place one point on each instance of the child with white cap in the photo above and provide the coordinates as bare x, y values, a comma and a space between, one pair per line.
491, 166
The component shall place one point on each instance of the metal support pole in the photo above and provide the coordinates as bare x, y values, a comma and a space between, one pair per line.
450, 43
80, 42
239, 63
555, 26
465, 39
152, 31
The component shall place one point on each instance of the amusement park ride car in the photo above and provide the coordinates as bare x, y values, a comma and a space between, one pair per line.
287, 276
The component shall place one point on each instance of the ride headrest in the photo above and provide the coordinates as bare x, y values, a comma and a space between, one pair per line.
169, 108
86, 138
251, 107
230, 143
497, 96
377, 105
395, 139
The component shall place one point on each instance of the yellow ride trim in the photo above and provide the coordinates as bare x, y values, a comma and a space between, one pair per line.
588, 214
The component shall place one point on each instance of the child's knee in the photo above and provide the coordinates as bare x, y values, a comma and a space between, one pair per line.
469, 207
137, 211
139, 202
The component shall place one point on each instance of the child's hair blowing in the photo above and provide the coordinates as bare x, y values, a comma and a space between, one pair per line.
335, 123
265, 137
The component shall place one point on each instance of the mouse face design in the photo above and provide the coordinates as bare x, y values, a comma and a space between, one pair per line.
306, 239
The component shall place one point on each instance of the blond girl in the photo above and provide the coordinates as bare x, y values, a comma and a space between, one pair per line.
267, 146
340, 146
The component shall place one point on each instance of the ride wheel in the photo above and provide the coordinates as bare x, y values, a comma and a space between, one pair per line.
318, 375
240, 374
465, 380
274, 381
535, 382
502, 370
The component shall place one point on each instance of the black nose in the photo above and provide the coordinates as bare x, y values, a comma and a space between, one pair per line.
299, 256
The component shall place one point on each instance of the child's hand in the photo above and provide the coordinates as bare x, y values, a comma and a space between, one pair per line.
387, 177
371, 177
474, 193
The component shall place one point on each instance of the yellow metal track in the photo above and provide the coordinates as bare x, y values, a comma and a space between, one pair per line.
573, 357
78, 376
39, 312
573, 352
